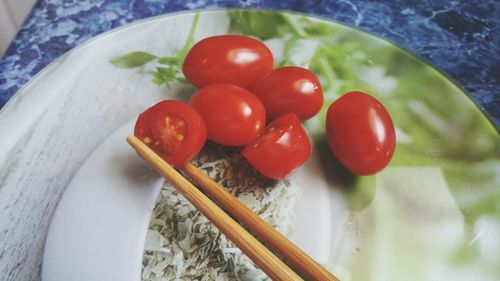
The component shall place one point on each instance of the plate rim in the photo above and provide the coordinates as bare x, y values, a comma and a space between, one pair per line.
374, 36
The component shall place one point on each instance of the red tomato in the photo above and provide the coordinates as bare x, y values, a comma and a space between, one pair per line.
173, 130
360, 133
289, 89
232, 59
234, 116
283, 147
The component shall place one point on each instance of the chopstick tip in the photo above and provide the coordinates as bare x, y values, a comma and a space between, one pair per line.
131, 138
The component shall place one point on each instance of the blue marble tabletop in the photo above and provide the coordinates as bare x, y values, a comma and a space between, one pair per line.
461, 38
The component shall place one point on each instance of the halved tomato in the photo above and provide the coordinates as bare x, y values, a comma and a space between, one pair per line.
173, 130
283, 147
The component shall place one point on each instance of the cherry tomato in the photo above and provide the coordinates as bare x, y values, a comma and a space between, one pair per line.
283, 147
360, 133
232, 59
289, 89
173, 130
233, 115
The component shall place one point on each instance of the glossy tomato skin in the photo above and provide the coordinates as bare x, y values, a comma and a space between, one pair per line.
360, 133
233, 115
283, 147
232, 59
173, 130
289, 89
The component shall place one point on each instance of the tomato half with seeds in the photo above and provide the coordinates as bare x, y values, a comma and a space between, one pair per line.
232, 59
173, 130
289, 89
233, 115
283, 147
360, 133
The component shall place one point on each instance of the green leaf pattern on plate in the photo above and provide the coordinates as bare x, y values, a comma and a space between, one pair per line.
436, 208
132, 60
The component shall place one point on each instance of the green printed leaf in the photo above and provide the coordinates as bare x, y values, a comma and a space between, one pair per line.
168, 60
261, 24
181, 55
134, 59
318, 29
182, 80
165, 75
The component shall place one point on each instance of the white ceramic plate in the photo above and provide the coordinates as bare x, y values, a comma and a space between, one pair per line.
99, 228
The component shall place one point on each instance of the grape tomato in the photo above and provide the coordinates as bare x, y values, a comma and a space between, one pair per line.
233, 59
289, 89
360, 133
233, 115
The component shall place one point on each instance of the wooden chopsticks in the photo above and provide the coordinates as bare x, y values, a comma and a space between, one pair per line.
256, 251
292, 254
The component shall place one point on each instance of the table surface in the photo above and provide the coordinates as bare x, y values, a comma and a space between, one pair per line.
460, 38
